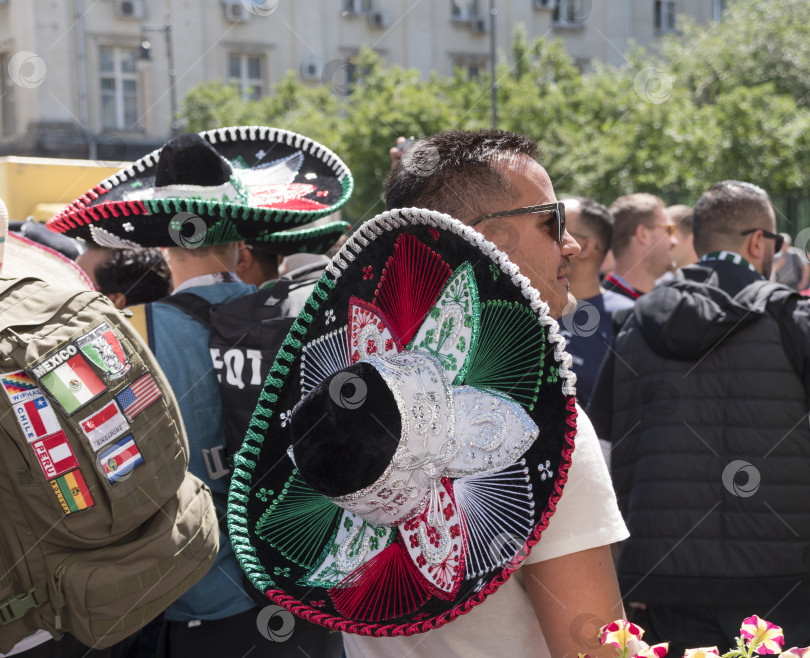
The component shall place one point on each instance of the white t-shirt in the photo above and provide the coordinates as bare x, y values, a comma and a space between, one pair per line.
504, 624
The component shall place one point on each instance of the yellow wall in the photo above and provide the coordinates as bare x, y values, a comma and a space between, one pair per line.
42, 186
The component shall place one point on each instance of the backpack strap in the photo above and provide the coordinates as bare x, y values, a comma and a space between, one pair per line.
192, 304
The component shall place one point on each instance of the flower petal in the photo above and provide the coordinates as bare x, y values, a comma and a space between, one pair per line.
763, 636
655, 651
702, 652
619, 633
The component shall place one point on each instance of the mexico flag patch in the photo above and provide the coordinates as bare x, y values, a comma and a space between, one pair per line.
103, 348
69, 379
72, 492
120, 458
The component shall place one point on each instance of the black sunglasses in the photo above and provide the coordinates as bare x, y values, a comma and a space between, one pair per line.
778, 240
546, 209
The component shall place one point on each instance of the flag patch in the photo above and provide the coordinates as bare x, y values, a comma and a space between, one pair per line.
104, 425
19, 386
72, 492
73, 383
139, 395
120, 458
104, 350
37, 418
55, 455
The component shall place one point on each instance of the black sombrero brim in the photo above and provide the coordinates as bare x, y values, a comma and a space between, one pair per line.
286, 535
121, 212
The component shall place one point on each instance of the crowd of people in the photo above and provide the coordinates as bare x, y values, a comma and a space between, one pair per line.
685, 505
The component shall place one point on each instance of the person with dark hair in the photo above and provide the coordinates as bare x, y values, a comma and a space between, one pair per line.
127, 276
704, 396
643, 240
566, 589
588, 330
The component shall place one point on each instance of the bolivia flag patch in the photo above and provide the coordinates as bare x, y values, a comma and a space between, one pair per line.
72, 492
73, 383
120, 458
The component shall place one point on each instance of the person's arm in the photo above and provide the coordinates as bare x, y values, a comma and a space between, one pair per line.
573, 596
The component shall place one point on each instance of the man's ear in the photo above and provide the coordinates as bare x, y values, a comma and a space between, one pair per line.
245, 260
642, 234
754, 247
587, 248
118, 299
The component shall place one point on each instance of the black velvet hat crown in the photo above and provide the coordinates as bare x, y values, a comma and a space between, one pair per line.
413, 437
244, 183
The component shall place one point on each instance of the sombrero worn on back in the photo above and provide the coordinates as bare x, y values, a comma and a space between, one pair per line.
244, 183
413, 437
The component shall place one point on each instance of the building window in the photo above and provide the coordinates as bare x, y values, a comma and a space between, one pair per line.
472, 66
569, 13
463, 10
351, 7
6, 98
664, 16
120, 100
719, 8
246, 72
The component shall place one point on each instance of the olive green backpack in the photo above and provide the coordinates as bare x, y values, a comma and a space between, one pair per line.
101, 526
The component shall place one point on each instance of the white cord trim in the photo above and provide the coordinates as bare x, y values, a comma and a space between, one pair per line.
392, 219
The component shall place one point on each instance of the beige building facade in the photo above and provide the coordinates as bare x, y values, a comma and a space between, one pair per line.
101, 79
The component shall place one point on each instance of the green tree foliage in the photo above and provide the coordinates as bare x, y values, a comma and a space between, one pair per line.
723, 100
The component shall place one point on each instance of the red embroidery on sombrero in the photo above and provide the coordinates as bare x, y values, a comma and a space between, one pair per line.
435, 543
290, 197
385, 587
370, 332
409, 284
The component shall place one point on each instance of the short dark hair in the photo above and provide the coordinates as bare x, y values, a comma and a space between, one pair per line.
141, 274
456, 172
724, 211
597, 219
628, 212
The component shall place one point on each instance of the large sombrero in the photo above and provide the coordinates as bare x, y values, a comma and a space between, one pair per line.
21, 257
413, 437
244, 183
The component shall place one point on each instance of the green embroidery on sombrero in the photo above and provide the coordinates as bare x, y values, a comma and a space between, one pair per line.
299, 522
221, 232
511, 352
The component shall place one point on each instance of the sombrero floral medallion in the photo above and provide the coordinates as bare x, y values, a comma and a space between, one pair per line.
243, 183
414, 435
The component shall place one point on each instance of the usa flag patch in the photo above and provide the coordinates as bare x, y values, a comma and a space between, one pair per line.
138, 396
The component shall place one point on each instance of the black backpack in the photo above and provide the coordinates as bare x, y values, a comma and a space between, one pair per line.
246, 335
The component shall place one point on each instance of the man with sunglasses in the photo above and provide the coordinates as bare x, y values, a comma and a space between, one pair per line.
705, 398
643, 240
566, 589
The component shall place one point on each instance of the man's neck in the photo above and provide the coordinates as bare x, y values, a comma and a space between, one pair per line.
635, 273
584, 285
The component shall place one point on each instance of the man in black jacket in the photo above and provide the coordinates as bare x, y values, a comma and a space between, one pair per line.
705, 400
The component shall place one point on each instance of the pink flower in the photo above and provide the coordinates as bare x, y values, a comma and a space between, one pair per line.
763, 636
655, 651
702, 652
619, 633
795, 652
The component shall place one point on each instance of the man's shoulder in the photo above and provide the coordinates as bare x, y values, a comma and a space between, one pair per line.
613, 301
